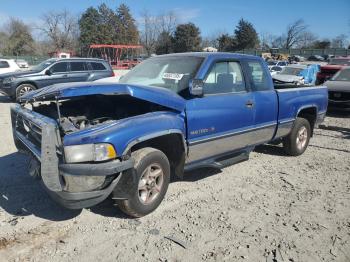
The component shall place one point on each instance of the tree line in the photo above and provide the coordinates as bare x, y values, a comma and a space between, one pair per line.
159, 34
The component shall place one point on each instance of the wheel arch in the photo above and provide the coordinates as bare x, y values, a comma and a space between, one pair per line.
310, 114
172, 143
27, 82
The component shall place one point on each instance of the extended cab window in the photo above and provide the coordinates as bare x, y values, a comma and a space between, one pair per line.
224, 77
4, 64
60, 67
258, 76
97, 66
77, 66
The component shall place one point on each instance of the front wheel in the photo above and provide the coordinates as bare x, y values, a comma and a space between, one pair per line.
153, 175
297, 141
23, 89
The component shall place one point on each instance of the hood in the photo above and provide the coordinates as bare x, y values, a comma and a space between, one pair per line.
335, 67
340, 86
157, 95
287, 78
19, 74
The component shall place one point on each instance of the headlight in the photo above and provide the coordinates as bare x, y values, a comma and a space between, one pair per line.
8, 80
89, 152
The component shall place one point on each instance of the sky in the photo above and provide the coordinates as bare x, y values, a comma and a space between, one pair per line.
325, 18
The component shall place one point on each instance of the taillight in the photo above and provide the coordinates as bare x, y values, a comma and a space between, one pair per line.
113, 74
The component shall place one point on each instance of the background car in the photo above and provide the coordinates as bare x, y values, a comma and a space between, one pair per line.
8, 65
272, 63
290, 74
339, 89
22, 63
334, 65
316, 58
275, 70
54, 71
297, 58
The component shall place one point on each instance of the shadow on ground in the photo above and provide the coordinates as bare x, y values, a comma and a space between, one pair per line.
274, 150
5, 99
21, 195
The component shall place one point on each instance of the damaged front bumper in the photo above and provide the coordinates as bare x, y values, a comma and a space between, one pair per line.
77, 185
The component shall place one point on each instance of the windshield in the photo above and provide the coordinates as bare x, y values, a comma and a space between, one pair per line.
340, 62
342, 75
291, 71
270, 63
43, 65
171, 72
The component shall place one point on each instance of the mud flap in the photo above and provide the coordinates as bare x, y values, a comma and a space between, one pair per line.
49, 159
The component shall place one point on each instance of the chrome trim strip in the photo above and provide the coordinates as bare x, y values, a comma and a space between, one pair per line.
154, 135
199, 141
301, 88
29, 145
286, 121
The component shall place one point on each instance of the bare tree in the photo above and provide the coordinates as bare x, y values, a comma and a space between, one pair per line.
154, 26
295, 33
61, 28
167, 22
150, 32
339, 41
306, 40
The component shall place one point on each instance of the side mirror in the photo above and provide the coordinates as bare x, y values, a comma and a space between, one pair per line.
196, 87
48, 72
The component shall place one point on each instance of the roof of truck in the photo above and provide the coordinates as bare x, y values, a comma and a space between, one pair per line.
212, 54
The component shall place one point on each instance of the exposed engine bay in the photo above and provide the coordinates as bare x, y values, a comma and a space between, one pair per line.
87, 111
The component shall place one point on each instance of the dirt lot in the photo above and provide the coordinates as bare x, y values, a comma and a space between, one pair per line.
270, 208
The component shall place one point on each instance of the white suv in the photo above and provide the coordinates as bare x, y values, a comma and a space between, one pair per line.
8, 66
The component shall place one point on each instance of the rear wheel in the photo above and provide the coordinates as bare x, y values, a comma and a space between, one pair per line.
153, 175
23, 89
297, 141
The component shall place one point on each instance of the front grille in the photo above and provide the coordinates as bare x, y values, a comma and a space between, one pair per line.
29, 130
339, 96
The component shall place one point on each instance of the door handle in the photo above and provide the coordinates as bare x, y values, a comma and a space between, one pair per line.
249, 104
65, 76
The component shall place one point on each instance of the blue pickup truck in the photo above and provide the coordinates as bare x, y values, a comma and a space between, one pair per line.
169, 114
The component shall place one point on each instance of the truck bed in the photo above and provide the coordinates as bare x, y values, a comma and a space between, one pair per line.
294, 99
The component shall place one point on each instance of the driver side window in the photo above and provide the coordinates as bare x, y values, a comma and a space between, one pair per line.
60, 67
224, 77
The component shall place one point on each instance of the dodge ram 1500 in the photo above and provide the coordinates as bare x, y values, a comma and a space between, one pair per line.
169, 114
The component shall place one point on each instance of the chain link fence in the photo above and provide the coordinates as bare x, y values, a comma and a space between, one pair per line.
302, 52
32, 60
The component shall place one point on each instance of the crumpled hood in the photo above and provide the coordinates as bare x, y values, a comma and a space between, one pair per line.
157, 95
287, 78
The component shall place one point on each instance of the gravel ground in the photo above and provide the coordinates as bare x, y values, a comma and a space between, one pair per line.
270, 208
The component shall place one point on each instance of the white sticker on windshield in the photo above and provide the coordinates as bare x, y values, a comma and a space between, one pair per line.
173, 76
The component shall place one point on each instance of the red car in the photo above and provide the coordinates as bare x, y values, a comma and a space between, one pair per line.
327, 71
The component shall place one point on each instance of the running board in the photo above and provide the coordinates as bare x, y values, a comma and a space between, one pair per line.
232, 160
220, 162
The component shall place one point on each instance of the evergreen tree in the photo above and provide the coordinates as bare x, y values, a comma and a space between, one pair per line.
164, 43
20, 40
226, 43
187, 38
89, 27
245, 36
127, 32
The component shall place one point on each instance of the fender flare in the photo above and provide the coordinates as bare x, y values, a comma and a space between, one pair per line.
155, 135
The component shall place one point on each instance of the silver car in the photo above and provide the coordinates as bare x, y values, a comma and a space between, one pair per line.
339, 89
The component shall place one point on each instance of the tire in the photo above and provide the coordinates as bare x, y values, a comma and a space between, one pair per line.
297, 141
24, 88
151, 189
